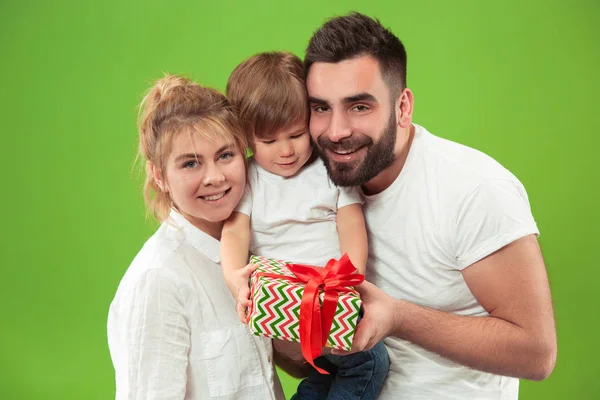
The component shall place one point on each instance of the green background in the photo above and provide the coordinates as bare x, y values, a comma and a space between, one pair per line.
516, 79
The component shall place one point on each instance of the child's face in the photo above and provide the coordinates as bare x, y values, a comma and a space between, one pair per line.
286, 152
205, 178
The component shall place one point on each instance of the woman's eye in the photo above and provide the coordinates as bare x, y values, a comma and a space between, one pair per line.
226, 155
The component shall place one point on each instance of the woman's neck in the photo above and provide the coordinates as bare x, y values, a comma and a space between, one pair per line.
213, 229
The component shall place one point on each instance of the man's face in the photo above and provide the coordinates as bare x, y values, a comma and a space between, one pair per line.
352, 120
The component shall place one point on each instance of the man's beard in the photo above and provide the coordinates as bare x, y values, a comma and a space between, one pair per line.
379, 156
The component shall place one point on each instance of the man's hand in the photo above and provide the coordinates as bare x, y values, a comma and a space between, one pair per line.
378, 321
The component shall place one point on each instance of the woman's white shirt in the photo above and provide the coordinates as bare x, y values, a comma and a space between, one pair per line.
173, 332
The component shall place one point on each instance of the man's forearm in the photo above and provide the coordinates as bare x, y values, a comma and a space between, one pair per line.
484, 343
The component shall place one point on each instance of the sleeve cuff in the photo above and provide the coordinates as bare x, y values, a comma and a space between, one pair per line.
495, 244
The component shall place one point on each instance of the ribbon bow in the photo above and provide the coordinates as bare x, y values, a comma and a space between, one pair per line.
315, 320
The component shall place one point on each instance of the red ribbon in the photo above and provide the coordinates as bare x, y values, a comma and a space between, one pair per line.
315, 320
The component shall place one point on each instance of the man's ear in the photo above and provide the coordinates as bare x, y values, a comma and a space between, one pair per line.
158, 178
404, 108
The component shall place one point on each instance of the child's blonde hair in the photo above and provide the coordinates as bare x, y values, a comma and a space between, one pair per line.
269, 91
172, 106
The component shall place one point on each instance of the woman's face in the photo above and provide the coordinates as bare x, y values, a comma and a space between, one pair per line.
205, 178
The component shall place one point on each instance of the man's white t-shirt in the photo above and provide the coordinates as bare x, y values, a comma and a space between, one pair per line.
449, 207
294, 219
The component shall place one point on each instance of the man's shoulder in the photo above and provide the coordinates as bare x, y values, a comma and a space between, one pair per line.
445, 173
458, 166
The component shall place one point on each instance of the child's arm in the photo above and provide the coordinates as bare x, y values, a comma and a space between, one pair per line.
353, 234
235, 244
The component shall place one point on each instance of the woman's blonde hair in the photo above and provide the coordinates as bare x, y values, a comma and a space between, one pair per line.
175, 105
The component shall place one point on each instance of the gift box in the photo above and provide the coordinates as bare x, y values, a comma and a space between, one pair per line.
315, 306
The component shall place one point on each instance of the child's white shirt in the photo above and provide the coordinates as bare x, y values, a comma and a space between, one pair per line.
295, 219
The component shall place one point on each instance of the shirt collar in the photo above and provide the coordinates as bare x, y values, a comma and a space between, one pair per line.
204, 243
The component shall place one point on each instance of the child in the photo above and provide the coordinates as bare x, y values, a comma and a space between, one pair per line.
172, 329
291, 210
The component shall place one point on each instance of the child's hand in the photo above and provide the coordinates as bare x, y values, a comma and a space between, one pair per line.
238, 278
243, 304
243, 291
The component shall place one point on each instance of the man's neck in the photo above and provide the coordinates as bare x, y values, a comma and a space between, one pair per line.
385, 178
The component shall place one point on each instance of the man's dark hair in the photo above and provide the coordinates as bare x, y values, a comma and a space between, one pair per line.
355, 35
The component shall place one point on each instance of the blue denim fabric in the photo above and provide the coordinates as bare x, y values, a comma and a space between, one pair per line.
355, 376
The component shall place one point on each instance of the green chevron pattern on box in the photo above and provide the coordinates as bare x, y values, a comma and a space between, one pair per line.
276, 306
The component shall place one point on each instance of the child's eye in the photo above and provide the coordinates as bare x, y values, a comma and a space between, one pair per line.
298, 135
267, 141
190, 164
225, 156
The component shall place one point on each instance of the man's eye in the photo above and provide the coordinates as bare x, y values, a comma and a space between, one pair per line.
320, 109
190, 164
360, 107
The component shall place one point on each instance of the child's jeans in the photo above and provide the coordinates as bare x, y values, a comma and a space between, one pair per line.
354, 376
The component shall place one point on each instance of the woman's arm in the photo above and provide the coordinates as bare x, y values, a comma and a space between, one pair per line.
153, 358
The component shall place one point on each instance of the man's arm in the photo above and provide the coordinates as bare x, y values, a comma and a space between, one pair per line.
517, 339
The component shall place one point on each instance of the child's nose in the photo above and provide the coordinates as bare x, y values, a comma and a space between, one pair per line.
286, 149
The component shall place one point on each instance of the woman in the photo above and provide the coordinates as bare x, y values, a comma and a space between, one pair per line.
173, 330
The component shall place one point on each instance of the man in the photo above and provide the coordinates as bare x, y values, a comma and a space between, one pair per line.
458, 286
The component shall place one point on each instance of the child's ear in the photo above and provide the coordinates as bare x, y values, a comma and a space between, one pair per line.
158, 178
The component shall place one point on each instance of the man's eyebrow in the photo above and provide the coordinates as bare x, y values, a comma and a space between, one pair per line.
316, 100
359, 97
346, 100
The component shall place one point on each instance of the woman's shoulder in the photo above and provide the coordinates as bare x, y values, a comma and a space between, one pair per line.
158, 261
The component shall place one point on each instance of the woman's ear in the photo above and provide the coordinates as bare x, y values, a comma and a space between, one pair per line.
158, 178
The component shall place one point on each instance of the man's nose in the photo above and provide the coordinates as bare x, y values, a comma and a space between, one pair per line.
339, 127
